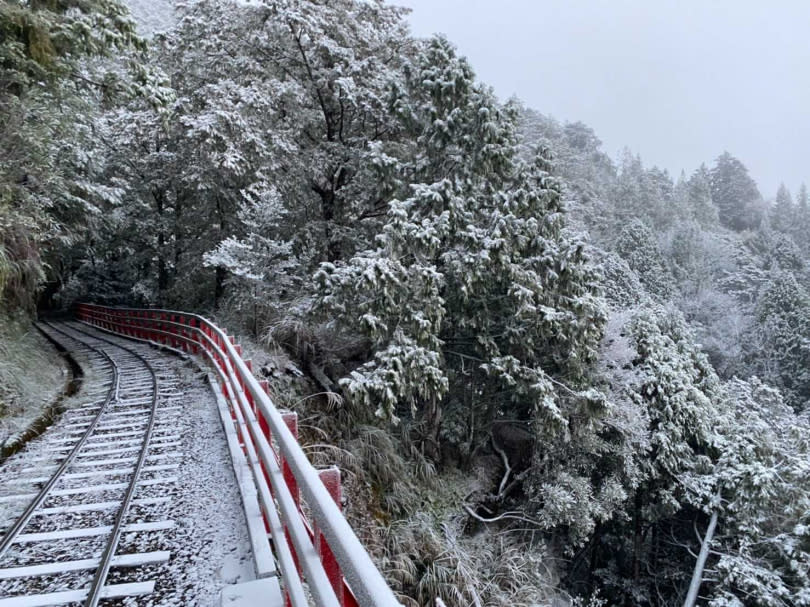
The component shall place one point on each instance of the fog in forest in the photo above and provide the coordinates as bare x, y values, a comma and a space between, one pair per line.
677, 82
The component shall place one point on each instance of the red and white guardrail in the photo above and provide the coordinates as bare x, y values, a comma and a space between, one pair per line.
320, 550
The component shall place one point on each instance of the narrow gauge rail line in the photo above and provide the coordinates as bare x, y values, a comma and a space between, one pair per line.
12, 533
144, 381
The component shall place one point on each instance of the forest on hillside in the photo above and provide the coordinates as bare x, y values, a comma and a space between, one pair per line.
550, 374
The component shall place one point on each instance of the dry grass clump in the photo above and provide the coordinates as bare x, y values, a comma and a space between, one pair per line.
427, 559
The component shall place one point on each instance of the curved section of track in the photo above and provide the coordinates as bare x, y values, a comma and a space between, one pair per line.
61, 548
11, 533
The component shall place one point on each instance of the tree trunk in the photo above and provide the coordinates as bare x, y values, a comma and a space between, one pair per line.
220, 273
637, 538
328, 214
163, 273
594, 555
177, 233
433, 419
329, 211
700, 565
219, 285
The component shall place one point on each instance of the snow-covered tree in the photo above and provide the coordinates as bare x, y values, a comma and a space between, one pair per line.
699, 193
735, 194
472, 275
585, 169
621, 286
781, 351
637, 245
52, 83
678, 386
641, 194
782, 214
800, 228
687, 253
761, 552
290, 114
668, 392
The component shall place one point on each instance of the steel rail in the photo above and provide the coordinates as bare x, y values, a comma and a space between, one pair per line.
305, 553
299, 533
287, 562
13, 531
364, 578
100, 577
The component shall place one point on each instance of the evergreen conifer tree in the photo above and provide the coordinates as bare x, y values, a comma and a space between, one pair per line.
472, 278
637, 245
783, 213
801, 227
699, 190
735, 194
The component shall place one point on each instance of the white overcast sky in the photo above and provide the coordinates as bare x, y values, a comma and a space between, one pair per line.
677, 82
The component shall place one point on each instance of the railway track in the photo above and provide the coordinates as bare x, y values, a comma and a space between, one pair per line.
84, 513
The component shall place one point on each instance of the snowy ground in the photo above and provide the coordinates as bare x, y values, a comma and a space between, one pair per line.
32, 376
209, 544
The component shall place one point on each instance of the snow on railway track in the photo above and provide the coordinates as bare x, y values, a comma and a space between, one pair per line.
91, 508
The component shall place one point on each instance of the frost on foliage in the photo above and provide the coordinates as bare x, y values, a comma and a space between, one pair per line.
782, 337
652, 440
736, 449
655, 450
678, 387
471, 267
402, 374
621, 285
638, 246
763, 545
281, 97
52, 164
262, 260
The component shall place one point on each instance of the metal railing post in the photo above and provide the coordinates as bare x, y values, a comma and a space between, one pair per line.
331, 480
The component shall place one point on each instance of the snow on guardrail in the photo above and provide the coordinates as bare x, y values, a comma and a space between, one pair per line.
321, 551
